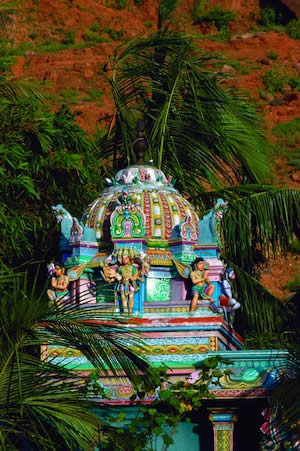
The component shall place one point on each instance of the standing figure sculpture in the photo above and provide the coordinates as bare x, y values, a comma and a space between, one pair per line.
59, 283
132, 267
202, 287
228, 304
127, 275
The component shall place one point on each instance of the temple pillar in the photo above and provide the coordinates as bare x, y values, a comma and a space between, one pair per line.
223, 426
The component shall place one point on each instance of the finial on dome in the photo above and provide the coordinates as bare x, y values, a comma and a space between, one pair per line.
140, 145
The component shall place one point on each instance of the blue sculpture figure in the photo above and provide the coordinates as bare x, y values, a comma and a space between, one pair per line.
227, 303
66, 222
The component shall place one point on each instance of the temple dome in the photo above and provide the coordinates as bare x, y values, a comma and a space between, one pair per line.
164, 208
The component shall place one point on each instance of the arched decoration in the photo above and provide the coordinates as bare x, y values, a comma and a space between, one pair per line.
127, 220
188, 230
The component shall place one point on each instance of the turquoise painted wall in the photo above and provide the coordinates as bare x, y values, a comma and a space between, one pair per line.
185, 438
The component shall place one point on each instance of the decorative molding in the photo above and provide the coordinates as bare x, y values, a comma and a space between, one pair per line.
145, 350
227, 382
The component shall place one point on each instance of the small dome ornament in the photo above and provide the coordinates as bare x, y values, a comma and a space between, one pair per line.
140, 145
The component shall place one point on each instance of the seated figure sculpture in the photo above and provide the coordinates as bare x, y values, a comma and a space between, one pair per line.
59, 283
202, 287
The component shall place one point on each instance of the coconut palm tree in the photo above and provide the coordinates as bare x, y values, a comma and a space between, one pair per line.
44, 405
211, 140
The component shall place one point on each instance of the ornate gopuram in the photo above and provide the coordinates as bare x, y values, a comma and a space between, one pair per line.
141, 252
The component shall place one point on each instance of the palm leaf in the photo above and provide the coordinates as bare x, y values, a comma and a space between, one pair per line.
206, 134
264, 218
42, 403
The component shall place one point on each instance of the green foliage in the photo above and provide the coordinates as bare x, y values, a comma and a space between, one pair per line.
293, 29
148, 23
33, 35
285, 399
295, 246
268, 340
275, 80
272, 55
268, 17
93, 36
180, 80
288, 131
294, 82
44, 46
165, 10
6, 61
199, 7
243, 67
193, 127
45, 159
294, 284
114, 34
95, 27
286, 145
69, 95
90, 35
121, 4
83, 8
68, 37
174, 404
94, 95
219, 17
41, 405
139, 2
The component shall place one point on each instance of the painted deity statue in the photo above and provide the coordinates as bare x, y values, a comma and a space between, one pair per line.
227, 303
59, 283
126, 276
131, 269
202, 287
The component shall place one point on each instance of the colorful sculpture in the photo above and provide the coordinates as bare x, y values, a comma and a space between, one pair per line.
202, 288
59, 283
131, 269
228, 304
65, 219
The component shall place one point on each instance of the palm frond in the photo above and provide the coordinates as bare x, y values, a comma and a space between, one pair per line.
263, 218
261, 312
40, 403
43, 402
215, 133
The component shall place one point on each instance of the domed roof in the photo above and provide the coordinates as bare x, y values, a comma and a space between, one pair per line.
163, 207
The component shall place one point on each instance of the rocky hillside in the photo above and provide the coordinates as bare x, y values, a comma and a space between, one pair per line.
66, 45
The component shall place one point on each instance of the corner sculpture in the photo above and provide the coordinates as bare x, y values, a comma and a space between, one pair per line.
59, 283
202, 288
228, 305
